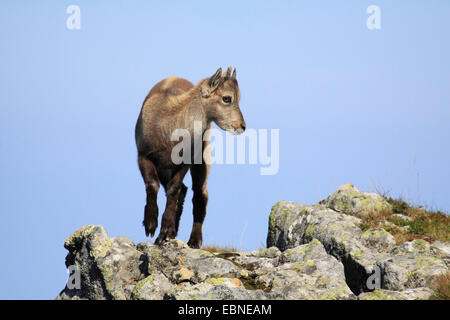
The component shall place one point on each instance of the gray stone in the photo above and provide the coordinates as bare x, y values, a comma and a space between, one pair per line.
314, 252
423, 293
413, 265
174, 271
410, 265
349, 200
378, 239
153, 287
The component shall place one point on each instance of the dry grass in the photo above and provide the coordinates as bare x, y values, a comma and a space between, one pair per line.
219, 249
441, 287
423, 224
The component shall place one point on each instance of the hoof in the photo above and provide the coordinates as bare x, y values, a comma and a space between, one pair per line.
195, 243
150, 228
164, 236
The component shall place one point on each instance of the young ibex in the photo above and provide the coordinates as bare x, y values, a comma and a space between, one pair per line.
175, 103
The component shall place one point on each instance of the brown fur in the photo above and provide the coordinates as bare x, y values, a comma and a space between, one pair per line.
175, 103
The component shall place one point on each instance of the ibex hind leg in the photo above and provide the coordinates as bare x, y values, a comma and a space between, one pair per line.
174, 188
180, 204
150, 176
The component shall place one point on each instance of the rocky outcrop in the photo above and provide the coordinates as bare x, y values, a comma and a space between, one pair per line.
117, 269
314, 252
347, 199
405, 269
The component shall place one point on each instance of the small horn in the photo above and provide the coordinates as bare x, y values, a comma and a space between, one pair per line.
227, 76
234, 74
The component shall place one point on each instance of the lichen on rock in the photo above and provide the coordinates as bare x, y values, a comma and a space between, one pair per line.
335, 224
313, 252
349, 200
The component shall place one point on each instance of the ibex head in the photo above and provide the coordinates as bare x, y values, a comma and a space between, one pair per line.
220, 97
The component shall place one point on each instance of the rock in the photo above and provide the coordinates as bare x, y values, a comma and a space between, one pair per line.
349, 200
153, 287
304, 272
402, 217
414, 265
106, 265
410, 265
272, 252
392, 226
442, 250
409, 294
213, 289
415, 246
117, 269
378, 239
316, 274
313, 252
292, 224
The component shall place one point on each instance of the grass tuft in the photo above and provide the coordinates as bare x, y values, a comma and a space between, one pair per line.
219, 249
441, 287
422, 224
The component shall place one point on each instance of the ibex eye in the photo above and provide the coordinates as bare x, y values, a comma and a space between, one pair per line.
226, 99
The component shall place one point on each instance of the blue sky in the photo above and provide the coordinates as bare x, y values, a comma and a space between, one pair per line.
371, 107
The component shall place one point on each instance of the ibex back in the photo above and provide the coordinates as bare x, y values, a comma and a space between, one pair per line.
175, 103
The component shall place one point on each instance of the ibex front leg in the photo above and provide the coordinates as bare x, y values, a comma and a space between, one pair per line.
173, 190
199, 173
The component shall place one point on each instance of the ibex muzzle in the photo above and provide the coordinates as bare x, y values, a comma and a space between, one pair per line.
220, 95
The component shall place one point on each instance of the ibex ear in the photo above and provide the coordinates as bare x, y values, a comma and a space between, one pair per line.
213, 82
215, 79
